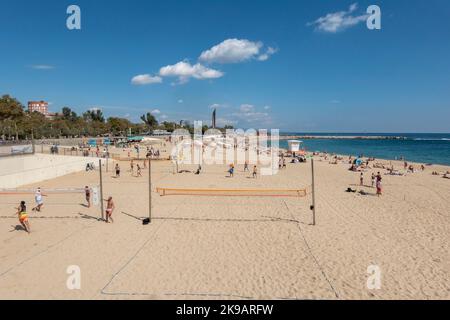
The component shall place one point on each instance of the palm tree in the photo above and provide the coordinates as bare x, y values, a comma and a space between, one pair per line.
149, 120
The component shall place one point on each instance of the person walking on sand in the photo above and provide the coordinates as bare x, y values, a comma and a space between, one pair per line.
87, 193
109, 209
231, 170
361, 179
373, 179
379, 188
39, 200
255, 172
23, 216
117, 171
132, 166
246, 166
138, 173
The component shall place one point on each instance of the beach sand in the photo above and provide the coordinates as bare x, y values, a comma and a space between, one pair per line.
215, 247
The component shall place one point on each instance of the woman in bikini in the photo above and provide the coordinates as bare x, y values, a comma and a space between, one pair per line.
23, 216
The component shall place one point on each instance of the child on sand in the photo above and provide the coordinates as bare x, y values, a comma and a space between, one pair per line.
23, 216
231, 170
87, 192
109, 209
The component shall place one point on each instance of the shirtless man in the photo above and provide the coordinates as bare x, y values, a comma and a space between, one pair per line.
109, 209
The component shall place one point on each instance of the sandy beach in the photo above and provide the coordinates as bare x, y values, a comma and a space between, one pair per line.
218, 247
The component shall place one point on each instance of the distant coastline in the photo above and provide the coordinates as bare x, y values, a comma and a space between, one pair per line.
355, 137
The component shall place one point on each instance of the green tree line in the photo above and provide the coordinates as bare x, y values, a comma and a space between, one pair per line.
17, 123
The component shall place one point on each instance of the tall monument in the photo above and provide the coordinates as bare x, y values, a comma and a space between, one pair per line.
214, 119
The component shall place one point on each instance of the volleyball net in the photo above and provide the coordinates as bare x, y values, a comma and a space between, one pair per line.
299, 193
68, 202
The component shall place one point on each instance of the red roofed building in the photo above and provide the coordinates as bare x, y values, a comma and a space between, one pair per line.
38, 106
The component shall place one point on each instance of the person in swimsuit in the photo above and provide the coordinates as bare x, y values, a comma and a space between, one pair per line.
23, 216
109, 209
87, 193
117, 171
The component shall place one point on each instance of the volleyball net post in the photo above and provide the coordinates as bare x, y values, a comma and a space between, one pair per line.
313, 193
101, 188
150, 190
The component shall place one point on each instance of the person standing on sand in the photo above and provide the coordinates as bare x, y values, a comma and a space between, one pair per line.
117, 171
361, 179
23, 216
255, 172
109, 209
373, 179
87, 193
246, 166
132, 166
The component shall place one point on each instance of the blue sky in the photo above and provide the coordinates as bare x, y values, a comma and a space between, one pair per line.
264, 64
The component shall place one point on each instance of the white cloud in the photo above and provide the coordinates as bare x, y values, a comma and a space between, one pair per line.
144, 79
267, 107
42, 67
221, 122
338, 21
246, 108
248, 115
180, 101
217, 106
269, 52
156, 111
184, 70
163, 117
232, 51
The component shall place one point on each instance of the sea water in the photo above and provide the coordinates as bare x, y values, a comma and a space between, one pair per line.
430, 148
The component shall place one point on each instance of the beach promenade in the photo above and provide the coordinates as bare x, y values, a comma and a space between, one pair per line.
201, 247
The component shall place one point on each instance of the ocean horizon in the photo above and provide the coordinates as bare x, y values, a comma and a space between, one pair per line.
428, 148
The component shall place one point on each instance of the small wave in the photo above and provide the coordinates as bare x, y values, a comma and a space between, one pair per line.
431, 139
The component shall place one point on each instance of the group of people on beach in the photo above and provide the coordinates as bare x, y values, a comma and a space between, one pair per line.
246, 169
22, 212
375, 182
